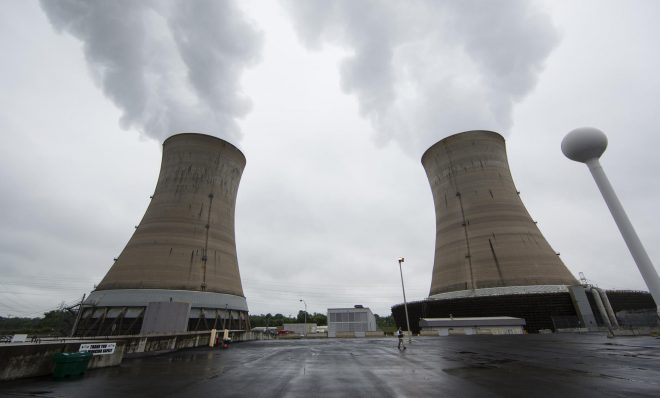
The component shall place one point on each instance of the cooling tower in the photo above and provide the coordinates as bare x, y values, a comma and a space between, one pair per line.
491, 259
183, 250
485, 238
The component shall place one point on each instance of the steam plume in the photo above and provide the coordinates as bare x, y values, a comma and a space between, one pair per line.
170, 66
423, 69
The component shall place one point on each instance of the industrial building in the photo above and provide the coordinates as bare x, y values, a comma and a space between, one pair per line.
468, 326
491, 259
350, 322
301, 329
179, 270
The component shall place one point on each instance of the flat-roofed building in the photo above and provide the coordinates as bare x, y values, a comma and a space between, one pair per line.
299, 328
469, 326
350, 322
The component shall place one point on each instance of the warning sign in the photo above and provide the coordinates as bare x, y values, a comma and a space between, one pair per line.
98, 348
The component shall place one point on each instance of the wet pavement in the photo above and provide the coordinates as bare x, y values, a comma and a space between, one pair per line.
568, 365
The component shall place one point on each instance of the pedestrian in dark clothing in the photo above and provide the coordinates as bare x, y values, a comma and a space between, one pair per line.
399, 334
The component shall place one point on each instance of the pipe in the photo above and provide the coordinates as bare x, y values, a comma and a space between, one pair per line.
608, 308
601, 308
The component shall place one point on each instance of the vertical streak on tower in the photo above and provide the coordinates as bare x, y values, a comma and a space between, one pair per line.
485, 238
468, 253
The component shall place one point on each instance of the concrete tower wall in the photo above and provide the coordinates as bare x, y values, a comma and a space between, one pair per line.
185, 240
485, 238
183, 250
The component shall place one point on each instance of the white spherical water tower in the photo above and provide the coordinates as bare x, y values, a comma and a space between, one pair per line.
586, 145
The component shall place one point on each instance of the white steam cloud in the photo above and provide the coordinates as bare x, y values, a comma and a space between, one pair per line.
424, 69
170, 66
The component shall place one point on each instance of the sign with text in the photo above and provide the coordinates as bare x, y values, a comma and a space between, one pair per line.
98, 348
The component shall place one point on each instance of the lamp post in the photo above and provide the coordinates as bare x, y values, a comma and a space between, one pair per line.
305, 332
405, 304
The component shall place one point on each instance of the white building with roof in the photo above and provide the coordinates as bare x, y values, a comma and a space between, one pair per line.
469, 326
350, 322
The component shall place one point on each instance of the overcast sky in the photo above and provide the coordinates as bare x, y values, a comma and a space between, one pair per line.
332, 104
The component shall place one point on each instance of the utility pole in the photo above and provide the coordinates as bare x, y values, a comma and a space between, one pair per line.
80, 310
405, 304
305, 332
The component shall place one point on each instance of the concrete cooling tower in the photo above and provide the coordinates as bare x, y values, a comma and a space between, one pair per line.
491, 260
485, 238
179, 271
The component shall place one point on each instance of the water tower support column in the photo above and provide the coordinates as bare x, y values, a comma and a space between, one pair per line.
586, 145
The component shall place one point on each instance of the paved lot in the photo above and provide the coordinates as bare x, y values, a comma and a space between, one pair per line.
457, 366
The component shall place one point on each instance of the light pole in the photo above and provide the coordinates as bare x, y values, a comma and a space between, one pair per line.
405, 304
305, 332
586, 145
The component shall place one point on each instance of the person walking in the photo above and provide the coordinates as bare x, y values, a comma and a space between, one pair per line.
399, 334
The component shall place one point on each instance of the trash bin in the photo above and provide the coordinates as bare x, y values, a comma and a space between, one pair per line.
70, 364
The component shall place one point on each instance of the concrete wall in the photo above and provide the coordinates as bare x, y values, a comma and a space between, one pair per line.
31, 360
17, 361
156, 344
299, 328
340, 335
478, 330
165, 317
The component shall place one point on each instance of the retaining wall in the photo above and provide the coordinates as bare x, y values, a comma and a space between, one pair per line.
20, 360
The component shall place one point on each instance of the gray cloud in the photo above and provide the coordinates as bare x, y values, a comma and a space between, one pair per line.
169, 66
322, 214
424, 69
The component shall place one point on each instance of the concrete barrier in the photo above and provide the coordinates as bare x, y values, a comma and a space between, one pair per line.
36, 359
25, 360
346, 335
637, 331
19, 360
321, 335
572, 330
30, 360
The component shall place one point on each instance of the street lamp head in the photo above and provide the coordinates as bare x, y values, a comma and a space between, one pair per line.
584, 144
401, 259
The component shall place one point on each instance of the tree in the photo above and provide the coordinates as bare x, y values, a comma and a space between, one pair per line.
270, 320
317, 318
54, 323
58, 322
385, 323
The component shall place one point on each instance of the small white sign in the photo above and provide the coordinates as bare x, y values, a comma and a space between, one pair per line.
98, 348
